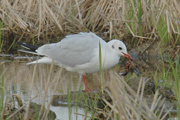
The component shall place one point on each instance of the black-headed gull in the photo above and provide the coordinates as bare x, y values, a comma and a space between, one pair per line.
80, 53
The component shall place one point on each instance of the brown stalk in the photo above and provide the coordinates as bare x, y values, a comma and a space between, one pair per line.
4, 108
45, 116
129, 104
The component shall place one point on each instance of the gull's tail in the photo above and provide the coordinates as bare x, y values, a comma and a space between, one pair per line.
31, 49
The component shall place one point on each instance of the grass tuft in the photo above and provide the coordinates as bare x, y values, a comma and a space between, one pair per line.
176, 72
129, 104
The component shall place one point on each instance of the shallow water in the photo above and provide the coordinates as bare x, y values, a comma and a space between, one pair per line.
31, 80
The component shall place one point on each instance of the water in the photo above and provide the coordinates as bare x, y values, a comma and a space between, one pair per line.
31, 80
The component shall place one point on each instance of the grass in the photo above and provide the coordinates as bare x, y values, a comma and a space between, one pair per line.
163, 31
144, 20
12, 44
69, 103
141, 19
1, 42
100, 66
129, 104
2, 92
176, 75
169, 76
139, 14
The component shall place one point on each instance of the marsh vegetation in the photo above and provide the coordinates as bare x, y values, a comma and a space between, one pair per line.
149, 28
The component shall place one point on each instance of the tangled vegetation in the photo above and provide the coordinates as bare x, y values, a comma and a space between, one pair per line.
135, 21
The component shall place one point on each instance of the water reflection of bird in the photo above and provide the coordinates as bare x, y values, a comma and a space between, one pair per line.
80, 53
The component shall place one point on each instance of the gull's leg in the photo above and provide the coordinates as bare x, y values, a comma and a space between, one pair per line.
85, 83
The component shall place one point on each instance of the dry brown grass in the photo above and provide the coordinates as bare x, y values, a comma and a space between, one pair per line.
128, 104
113, 18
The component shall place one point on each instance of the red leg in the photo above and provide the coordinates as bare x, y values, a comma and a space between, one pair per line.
85, 83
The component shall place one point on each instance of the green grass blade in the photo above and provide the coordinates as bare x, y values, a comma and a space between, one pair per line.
11, 44
1, 42
140, 18
176, 72
100, 66
69, 102
2, 93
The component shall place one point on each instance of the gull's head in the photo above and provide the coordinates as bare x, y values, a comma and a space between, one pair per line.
119, 48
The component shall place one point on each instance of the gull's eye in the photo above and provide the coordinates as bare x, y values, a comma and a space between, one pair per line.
120, 48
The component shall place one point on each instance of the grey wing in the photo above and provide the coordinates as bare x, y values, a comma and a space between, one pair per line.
73, 50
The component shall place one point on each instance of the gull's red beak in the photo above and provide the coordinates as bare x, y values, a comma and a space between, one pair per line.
128, 56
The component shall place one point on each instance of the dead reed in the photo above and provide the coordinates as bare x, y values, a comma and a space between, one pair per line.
114, 18
128, 104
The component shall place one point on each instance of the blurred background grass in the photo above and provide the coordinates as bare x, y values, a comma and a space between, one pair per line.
133, 21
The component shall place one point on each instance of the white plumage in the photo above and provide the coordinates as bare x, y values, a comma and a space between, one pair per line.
80, 53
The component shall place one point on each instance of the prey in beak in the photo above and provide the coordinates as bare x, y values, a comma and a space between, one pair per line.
129, 66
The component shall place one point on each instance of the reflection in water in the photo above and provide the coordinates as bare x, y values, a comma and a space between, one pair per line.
62, 113
29, 81
32, 80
